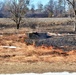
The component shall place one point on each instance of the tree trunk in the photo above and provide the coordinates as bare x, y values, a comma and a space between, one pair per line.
17, 26
75, 21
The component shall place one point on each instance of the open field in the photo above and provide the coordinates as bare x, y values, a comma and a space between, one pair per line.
7, 21
55, 24
18, 57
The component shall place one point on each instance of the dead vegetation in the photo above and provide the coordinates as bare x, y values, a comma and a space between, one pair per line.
8, 23
30, 53
13, 50
58, 25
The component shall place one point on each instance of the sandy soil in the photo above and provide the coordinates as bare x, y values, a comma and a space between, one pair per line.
17, 57
37, 67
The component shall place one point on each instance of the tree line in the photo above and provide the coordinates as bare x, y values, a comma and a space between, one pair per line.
54, 8
17, 9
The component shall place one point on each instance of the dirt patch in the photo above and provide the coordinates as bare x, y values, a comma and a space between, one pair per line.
38, 67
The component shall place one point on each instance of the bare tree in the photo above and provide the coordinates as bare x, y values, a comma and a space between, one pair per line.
60, 6
18, 9
40, 6
56, 9
49, 8
1, 9
64, 6
73, 4
70, 11
32, 8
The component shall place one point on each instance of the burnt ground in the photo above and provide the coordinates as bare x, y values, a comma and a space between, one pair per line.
65, 42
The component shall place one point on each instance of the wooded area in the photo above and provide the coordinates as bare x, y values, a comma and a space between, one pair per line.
54, 8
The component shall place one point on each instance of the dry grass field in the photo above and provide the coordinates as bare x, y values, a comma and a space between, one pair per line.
17, 57
7, 21
55, 24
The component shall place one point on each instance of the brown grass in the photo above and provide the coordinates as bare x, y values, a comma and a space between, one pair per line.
7, 25
7, 21
29, 58
30, 53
